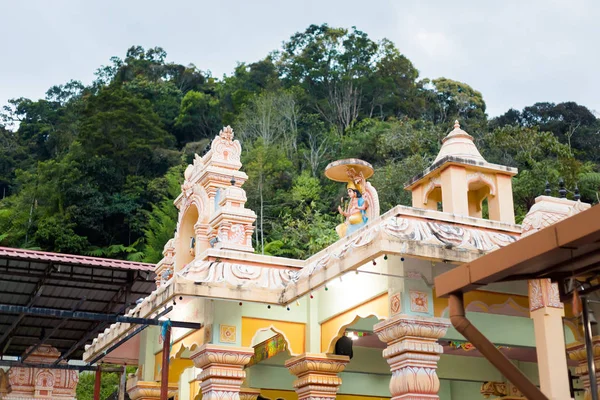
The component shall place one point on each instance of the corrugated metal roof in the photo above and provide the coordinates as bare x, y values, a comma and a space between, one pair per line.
72, 259
66, 282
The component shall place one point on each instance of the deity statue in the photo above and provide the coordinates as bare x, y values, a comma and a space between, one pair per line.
363, 202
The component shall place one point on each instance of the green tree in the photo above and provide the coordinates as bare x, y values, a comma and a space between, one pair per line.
198, 118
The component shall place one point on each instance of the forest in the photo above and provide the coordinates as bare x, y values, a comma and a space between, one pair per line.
94, 169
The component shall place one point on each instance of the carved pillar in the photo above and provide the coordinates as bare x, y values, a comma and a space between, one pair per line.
222, 370
413, 354
547, 313
317, 375
247, 393
577, 353
202, 242
144, 390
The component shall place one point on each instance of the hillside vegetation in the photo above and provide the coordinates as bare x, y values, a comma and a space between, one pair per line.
95, 169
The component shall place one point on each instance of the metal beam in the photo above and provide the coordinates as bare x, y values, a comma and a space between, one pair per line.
91, 332
37, 338
54, 297
126, 338
11, 363
32, 297
10, 309
57, 327
63, 264
76, 285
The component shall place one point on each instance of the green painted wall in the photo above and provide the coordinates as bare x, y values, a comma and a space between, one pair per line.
354, 289
500, 329
368, 374
464, 391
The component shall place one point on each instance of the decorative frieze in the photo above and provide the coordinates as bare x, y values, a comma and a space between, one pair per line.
413, 353
43, 383
504, 390
317, 375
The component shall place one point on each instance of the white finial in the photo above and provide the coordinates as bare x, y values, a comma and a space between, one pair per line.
456, 124
227, 133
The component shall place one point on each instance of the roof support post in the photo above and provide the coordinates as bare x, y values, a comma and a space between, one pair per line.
97, 384
123, 383
489, 351
166, 352
412, 353
589, 348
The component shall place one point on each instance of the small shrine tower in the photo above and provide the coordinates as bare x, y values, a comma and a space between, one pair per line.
461, 179
211, 208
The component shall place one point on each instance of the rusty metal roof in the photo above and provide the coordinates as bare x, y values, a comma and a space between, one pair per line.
66, 282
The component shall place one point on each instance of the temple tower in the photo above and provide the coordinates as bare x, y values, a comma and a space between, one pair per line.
211, 208
461, 179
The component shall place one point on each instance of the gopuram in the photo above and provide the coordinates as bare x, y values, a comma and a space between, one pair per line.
359, 319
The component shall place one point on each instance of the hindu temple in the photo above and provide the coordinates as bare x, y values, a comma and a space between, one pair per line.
361, 319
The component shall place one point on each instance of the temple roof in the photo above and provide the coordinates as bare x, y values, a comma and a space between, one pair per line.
460, 144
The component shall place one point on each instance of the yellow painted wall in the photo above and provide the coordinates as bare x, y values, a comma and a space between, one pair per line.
176, 367
195, 393
487, 300
294, 332
330, 329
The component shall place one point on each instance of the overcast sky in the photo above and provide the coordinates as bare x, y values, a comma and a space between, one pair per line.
516, 52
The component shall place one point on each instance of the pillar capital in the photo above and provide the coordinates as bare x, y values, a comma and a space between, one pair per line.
222, 370
317, 375
249, 393
413, 353
144, 390
577, 352
543, 293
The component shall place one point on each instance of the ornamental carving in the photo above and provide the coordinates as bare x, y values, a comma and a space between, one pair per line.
413, 353
227, 334
222, 370
549, 210
60, 384
543, 293
577, 352
249, 393
225, 149
418, 301
500, 389
433, 183
317, 375
481, 177
405, 230
395, 304
145, 390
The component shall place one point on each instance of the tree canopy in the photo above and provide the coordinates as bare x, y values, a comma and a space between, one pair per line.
94, 169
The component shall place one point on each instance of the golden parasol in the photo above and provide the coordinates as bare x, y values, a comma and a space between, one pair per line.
338, 170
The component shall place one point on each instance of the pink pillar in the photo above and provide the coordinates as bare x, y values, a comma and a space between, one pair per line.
222, 370
317, 375
547, 312
413, 353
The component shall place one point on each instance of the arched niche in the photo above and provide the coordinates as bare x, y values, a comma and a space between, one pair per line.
267, 333
432, 194
480, 187
185, 249
360, 323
